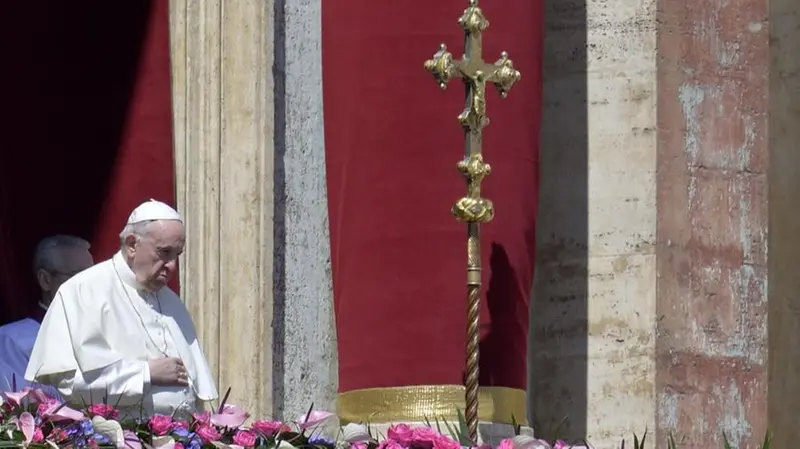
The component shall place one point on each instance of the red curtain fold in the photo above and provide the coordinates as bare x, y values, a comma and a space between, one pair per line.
392, 144
86, 125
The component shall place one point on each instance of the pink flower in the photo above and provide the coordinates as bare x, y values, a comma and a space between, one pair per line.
313, 419
401, 433
359, 445
180, 424
27, 425
424, 436
37, 395
38, 436
269, 428
56, 411
202, 418
245, 438
563, 445
508, 443
16, 397
208, 433
390, 444
160, 424
178, 446
104, 410
131, 440
445, 442
231, 416
58, 435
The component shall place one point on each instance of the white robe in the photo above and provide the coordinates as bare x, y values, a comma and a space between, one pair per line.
99, 333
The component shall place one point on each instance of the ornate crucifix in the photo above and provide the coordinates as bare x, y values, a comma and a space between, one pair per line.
473, 209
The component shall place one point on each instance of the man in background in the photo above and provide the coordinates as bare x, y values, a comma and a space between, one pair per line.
56, 259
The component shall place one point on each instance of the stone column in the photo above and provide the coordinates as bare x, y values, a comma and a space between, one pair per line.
592, 367
222, 56
652, 302
250, 162
305, 337
712, 222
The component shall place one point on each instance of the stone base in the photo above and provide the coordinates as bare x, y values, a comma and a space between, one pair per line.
488, 432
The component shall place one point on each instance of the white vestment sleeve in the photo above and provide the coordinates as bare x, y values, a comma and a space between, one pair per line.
122, 383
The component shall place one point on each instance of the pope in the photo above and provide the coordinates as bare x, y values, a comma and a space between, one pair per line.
116, 333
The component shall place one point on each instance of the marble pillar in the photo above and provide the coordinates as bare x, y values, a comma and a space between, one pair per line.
222, 57
250, 171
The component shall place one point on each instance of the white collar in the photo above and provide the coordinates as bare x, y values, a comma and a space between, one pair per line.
125, 273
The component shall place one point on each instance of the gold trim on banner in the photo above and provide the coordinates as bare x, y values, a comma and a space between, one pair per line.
430, 402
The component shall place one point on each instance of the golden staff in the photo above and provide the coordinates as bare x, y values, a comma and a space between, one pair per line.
472, 209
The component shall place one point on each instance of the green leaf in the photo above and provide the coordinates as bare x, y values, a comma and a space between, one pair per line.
767, 440
517, 427
671, 442
725, 441
463, 430
556, 434
452, 429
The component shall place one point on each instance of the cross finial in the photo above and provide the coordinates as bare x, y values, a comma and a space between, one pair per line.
472, 69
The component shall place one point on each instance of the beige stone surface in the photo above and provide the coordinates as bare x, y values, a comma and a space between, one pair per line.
223, 108
593, 309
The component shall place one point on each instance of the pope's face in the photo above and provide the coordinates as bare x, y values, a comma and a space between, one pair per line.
155, 255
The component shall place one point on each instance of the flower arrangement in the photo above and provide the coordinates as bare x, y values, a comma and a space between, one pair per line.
31, 419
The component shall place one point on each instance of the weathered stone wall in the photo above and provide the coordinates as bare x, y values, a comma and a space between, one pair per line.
650, 307
712, 221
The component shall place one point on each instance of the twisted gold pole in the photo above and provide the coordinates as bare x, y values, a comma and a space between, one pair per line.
472, 209
473, 329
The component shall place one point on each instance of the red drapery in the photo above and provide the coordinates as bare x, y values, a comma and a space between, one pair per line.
86, 127
392, 143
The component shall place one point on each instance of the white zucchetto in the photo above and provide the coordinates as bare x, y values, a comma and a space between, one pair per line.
153, 210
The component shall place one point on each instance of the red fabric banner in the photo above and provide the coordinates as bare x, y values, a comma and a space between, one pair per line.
392, 143
86, 125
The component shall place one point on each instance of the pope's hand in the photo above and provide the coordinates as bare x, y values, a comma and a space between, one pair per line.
168, 371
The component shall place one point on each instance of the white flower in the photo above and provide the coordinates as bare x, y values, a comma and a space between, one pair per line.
355, 433
529, 442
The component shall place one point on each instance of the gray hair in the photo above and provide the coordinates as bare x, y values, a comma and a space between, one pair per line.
137, 230
46, 255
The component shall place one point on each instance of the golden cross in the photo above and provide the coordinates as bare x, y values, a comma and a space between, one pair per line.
472, 208
472, 69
